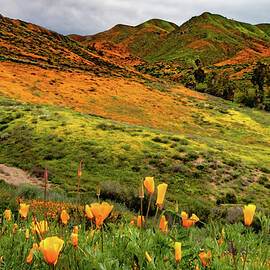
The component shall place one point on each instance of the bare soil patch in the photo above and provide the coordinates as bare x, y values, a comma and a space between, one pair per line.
16, 177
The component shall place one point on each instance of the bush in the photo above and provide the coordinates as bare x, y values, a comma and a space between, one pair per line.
29, 192
246, 97
201, 87
229, 198
263, 179
160, 140
201, 208
116, 192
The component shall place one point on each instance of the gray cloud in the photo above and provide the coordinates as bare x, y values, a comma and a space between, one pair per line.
92, 16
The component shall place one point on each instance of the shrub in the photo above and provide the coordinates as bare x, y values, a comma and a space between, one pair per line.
116, 192
263, 179
201, 87
160, 140
246, 97
29, 192
201, 208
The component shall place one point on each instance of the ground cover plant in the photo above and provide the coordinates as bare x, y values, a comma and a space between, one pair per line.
98, 235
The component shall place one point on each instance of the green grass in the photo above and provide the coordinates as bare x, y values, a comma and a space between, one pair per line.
120, 245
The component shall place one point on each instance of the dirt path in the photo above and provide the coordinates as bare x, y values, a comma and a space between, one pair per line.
16, 177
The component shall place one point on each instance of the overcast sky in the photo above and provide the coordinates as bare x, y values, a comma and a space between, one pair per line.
92, 16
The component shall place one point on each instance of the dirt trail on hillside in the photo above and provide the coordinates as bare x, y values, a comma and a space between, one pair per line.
16, 177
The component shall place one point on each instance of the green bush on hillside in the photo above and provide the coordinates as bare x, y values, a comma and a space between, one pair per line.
246, 97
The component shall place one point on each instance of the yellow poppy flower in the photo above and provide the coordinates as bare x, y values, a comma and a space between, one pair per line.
161, 191
24, 208
249, 211
149, 184
64, 217
7, 214
100, 212
88, 212
51, 247
177, 247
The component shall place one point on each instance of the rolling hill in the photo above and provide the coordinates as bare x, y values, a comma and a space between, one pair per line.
211, 38
63, 100
34, 45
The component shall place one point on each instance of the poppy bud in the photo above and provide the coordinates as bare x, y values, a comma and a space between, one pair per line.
149, 184
177, 247
161, 191
249, 211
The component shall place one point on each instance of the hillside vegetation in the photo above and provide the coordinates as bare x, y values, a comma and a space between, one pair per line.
211, 38
23, 42
125, 124
230, 168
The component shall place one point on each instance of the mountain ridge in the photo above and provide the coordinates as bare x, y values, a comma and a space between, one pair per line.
209, 29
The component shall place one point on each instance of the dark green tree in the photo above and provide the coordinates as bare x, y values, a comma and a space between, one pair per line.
258, 79
197, 62
266, 101
199, 75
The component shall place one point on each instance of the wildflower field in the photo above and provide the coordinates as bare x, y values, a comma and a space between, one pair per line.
41, 234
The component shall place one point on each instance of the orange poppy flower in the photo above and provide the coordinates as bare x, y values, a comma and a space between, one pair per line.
177, 248
29, 257
40, 227
74, 239
80, 170
149, 184
220, 241
51, 247
187, 222
35, 246
139, 221
161, 191
249, 211
24, 208
7, 214
64, 217
88, 212
92, 233
98, 190
76, 229
205, 257
163, 225
149, 259
27, 234
100, 212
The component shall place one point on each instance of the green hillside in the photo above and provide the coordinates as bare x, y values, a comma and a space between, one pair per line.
139, 39
264, 27
158, 24
209, 37
232, 167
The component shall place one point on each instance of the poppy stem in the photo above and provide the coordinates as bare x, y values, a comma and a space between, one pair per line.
45, 191
141, 213
102, 238
78, 190
148, 208
155, 220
